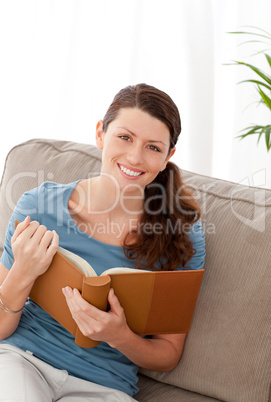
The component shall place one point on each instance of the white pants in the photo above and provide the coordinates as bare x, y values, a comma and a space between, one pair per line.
25, 378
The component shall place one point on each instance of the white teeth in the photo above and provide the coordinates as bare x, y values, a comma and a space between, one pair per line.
129, 172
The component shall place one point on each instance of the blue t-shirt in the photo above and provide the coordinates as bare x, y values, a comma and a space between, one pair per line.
37, 331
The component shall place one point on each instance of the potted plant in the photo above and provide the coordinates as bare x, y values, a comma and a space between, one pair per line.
262, 81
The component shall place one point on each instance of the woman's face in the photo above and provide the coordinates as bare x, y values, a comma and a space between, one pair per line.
135, 148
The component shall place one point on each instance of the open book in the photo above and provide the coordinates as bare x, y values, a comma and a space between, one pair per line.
154, 302
157, 302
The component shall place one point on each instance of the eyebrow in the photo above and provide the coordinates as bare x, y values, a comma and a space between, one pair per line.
133, 134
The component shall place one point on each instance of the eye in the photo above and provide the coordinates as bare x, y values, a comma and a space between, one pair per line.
154, 148
125, 137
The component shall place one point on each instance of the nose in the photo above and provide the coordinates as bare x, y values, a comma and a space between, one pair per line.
135, 155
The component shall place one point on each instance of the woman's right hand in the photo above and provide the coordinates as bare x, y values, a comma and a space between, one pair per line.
33, 248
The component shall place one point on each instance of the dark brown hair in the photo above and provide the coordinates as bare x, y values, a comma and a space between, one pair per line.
162, 240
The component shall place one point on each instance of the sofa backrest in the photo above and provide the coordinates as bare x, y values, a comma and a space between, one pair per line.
227, 351
31, 163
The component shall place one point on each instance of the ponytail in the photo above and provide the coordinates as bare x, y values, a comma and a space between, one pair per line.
162, 239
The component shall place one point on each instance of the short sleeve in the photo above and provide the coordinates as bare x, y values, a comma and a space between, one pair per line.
26, 206
198, 241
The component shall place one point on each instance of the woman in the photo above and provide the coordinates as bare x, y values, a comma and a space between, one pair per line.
110, 220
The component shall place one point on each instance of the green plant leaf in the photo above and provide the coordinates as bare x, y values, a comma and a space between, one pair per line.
251, 33
268, 58
259, 130
257, 82
256, 70
268, 137
263, 130
257, 29
260, 134
259, 38
265, 98
252, 130
265, 48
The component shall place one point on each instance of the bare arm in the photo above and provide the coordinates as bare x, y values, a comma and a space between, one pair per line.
32, 256
161, 352
14, 292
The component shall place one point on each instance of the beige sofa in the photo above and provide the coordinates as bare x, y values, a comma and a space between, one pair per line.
227, 352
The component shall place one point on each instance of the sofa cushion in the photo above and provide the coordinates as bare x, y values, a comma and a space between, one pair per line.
227, 351
154, 391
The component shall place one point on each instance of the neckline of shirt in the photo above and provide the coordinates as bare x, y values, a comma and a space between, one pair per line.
70, 189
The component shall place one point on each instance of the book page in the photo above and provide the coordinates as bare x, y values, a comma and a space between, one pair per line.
121, 270
87, 269
78, 261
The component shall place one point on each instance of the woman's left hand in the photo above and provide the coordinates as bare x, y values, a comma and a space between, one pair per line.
94, 323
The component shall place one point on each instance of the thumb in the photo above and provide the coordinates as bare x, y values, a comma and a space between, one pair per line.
114, 302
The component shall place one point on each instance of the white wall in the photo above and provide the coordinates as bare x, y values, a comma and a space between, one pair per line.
62, 61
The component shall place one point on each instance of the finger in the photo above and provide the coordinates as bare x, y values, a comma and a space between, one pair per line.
31, 229
44, 238
77, 314
20, 228
53, 246
25, 232
78, 308
91, 310
75, 300
78, 304
114, 302
40, 233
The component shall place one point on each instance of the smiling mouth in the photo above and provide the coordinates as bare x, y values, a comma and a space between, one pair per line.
129, 172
